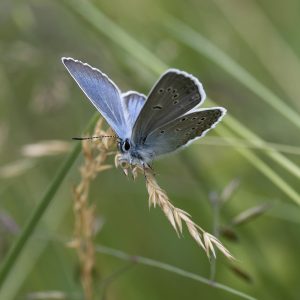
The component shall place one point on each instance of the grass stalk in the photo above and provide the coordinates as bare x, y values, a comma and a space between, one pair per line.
244, 132
202, 45
263, 168
38, 213
91, 14
170, 268
244, 143
280, 60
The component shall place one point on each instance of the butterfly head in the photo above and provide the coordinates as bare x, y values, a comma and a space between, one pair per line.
124, 146
129, 154
124, 160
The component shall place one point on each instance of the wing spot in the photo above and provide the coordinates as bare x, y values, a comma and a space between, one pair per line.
174, 91
203, 118
194, 118
160, 91
169, 89
183, 119
175, 102
175, 96
162, 131
157, 107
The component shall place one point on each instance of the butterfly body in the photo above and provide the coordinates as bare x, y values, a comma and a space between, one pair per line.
148, 127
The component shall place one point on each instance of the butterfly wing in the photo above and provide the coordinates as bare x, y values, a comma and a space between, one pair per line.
102, 92
174, 94
183, 130
133, 103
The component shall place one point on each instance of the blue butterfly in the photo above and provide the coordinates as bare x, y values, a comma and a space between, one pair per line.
148, 127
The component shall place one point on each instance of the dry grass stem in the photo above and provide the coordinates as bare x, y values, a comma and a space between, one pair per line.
45, 148
95, 155
177, 216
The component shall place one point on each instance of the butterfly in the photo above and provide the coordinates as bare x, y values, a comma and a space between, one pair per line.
148, 127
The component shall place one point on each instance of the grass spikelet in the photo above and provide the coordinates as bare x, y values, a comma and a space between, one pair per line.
176, 216
95, 155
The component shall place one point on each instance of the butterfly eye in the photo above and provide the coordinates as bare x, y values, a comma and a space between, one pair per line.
126, 146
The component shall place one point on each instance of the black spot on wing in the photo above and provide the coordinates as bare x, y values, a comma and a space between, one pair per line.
180, 131
173, 95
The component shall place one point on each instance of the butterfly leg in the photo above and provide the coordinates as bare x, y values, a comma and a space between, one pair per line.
144, 169
151, 168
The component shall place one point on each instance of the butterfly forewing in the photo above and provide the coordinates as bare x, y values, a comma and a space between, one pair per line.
133, 103
102, 92
179, 132
174, 94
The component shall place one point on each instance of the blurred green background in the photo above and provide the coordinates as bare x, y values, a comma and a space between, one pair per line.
133, 42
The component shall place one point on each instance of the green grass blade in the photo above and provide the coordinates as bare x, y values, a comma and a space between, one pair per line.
280, 60
263, 167
100, 22
244, 132
36, 216
170, 268
243, 143
202, 45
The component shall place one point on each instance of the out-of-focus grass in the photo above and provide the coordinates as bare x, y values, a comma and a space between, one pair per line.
39, 101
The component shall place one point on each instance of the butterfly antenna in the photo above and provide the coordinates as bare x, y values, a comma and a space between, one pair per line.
94, 137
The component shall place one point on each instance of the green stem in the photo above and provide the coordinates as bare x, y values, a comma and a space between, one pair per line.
100, 22
263, 167
241, 130
38, 213
163, 266
215, 204
244, 143
202, 45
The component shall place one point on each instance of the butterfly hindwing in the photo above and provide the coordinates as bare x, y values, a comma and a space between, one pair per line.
174, 94
102, 92
183, 130
133, 103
